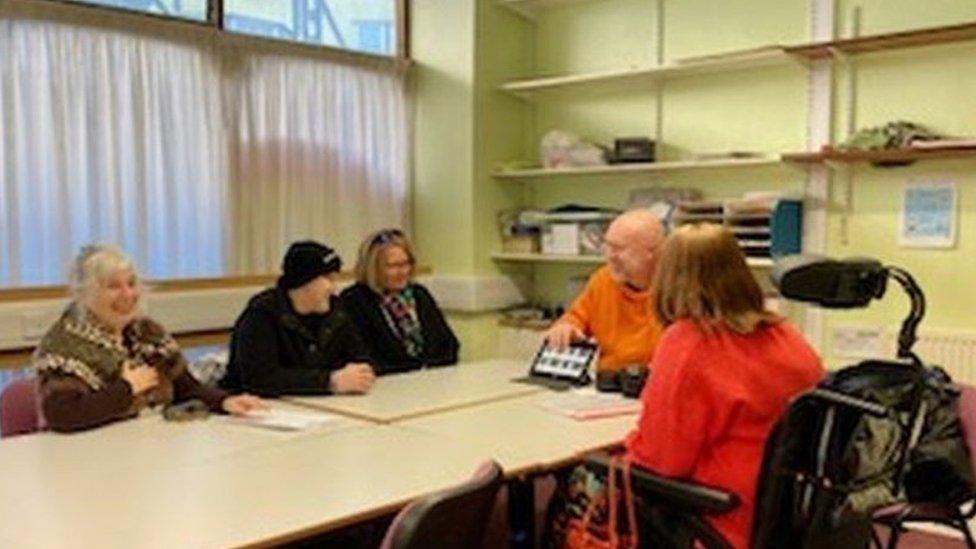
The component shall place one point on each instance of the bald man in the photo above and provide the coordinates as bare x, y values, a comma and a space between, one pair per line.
615, 308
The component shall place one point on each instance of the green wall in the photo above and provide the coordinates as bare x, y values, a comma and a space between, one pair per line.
442, 44
933, 86
465, 127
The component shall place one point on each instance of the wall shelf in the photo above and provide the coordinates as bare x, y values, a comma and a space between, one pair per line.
739, 59
638, 168
888, 41
624, 78
892, 156
755, 262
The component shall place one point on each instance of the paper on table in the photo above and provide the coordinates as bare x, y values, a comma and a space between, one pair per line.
583, 404
283, 421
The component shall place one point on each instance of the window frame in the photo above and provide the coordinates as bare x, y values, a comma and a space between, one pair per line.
215, 20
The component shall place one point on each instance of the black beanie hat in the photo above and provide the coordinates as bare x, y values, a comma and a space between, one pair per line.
306, 260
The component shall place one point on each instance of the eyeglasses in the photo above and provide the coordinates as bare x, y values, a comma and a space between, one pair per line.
385, 237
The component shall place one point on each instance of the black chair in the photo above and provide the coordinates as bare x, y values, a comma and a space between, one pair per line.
455, 518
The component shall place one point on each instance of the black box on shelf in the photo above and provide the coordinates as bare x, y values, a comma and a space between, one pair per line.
633, 149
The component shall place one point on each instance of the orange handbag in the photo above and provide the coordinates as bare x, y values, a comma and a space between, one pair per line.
586, 534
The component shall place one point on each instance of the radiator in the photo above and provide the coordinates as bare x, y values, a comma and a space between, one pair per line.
955, 351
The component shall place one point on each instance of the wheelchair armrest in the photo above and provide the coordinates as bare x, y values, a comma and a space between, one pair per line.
693, 497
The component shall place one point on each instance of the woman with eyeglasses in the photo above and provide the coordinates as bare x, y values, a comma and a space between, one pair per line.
104, 361
399, 320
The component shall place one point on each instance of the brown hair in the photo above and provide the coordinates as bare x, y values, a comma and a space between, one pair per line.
368, 269
703, 276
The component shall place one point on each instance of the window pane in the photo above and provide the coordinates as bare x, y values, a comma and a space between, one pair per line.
184, 9
359, 25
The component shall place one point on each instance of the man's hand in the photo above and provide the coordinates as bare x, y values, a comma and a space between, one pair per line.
562, 334
243, 404
355, 377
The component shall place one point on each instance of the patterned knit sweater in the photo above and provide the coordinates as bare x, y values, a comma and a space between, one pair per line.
79, 364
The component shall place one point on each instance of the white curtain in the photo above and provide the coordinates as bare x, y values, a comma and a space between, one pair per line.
323, 155
197, 160
108, 137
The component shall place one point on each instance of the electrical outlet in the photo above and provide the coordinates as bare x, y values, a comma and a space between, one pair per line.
859, 342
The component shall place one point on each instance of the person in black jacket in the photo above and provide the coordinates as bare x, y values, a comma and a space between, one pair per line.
293, 338
400, 322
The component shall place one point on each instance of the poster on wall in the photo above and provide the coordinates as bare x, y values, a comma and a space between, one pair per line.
929, 214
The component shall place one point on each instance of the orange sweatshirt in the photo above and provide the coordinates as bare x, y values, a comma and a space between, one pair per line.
621, 320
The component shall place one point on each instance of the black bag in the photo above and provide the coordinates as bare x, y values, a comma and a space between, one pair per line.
939, 468
830, 464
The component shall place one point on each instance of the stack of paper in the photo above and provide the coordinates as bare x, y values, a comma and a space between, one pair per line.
583, 404
280, 420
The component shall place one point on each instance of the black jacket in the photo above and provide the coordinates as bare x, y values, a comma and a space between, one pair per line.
272, 352
363, 306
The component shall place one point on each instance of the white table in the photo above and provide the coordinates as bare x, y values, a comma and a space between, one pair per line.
523, 436
268, 494
147, 442
527, 440
149, 483
402, 396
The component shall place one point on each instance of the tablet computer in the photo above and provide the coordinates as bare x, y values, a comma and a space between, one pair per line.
561, 367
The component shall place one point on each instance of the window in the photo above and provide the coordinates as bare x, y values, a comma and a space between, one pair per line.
375, 36
357, 25
196, 161
184, 9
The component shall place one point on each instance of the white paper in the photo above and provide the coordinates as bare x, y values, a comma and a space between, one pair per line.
928, 217
279, 420
588, 403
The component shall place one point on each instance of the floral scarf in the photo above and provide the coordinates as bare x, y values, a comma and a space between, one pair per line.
400, 312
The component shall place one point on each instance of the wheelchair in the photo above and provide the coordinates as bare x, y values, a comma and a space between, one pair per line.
841, 451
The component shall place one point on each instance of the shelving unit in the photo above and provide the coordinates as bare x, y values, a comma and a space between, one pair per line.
574, 93
638, 168
759, 263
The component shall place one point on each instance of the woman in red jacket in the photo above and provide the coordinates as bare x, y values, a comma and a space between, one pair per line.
722, 375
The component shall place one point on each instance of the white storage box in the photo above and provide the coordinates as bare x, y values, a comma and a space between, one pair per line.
574, 233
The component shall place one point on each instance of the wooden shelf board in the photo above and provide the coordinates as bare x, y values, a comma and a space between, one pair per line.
756, 57
893, 155
638, 168
888, 41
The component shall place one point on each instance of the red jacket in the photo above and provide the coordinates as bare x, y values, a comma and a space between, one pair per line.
710, 403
